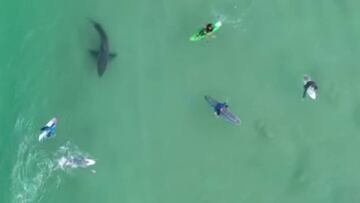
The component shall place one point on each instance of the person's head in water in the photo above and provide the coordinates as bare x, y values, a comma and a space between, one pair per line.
209, 27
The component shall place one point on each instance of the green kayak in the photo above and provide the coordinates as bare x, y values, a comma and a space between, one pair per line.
198, 36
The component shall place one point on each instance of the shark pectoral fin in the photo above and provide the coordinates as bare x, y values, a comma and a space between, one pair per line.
112, 55
94, 53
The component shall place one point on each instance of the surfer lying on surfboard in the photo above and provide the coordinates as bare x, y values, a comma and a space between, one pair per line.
49, 130
75, 162
310, 87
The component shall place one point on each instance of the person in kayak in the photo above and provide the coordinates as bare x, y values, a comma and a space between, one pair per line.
308, 83
220, 108
207, 29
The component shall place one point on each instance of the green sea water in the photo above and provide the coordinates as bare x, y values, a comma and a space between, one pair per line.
146, 122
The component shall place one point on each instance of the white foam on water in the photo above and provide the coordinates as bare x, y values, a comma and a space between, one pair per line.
234, 16
36, 170
32, 171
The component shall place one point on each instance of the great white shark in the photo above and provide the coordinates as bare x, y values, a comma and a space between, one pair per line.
103, 54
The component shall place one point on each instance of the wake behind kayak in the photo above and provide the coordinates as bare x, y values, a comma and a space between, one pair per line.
224, 112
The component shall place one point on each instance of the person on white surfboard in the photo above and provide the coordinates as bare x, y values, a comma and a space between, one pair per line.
49, 130
310, 87
76, 162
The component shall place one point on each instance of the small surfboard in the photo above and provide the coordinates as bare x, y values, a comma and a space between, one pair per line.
311, 92
75, 162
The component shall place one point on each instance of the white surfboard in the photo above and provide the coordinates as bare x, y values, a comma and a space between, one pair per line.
89, 162
43, 134
311, 92
75, 163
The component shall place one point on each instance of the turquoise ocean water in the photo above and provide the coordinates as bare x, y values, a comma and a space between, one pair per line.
145, 121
